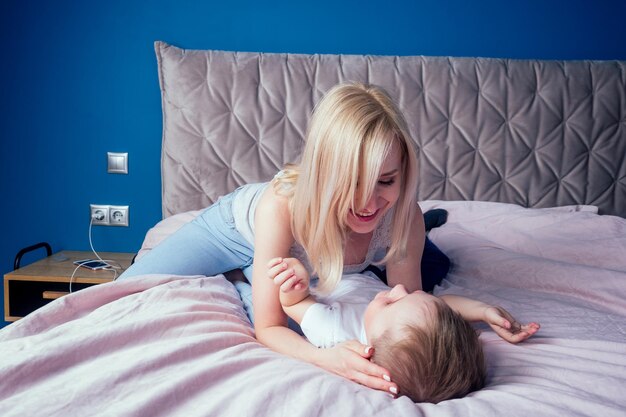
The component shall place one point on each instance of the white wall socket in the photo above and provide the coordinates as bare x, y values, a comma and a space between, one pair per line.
118, 215
99, 215
105, 215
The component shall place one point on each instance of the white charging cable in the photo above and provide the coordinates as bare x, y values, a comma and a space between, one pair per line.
111, 265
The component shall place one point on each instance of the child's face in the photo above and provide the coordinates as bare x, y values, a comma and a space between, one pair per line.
384, 197
397, 307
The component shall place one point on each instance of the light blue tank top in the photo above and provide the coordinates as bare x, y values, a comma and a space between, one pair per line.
244, 206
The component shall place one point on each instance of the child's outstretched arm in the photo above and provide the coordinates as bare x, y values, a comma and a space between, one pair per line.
500, 320
293, 279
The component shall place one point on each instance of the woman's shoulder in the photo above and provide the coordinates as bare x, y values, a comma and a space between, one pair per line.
275, 204
272, 223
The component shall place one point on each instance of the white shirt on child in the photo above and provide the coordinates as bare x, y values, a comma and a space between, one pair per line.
338, 316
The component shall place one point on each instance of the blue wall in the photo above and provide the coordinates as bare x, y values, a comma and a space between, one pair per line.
79, 79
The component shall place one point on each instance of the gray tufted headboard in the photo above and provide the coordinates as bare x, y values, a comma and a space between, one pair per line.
534, 133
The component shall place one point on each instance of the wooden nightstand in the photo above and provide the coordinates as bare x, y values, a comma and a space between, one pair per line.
35, 285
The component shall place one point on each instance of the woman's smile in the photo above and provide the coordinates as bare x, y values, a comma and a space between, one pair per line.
365, 216
365, 219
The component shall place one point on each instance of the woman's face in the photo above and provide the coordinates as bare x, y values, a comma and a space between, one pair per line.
384, 197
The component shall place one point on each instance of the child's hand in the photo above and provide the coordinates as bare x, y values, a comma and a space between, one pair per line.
289, 274
507, 327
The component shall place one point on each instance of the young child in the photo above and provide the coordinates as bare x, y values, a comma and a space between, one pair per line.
426, 342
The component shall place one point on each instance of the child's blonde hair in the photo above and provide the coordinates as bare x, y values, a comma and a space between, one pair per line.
351, 133
442, 361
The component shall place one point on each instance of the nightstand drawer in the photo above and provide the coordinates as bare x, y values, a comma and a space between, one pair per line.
33, 286
27, 296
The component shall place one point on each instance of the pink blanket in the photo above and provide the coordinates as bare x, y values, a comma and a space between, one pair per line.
182, 346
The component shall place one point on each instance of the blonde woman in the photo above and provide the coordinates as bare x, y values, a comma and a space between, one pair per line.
350, 203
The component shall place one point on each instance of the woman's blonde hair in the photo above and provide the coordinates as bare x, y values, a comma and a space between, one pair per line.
351, 133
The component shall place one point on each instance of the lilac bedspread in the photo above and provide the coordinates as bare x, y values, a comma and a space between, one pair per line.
182, 346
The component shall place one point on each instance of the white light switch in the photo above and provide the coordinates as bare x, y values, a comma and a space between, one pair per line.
117, 162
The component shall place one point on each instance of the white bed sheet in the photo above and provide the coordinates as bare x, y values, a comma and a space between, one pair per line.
182, 346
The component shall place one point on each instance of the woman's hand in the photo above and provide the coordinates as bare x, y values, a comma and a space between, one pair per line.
506, 326
350, 360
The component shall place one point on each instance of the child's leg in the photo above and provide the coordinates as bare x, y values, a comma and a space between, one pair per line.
208, 245
435, 266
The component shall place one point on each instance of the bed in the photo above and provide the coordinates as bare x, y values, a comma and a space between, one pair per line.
526, 156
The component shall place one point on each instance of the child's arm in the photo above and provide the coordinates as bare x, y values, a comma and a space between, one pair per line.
500, 320
293, 279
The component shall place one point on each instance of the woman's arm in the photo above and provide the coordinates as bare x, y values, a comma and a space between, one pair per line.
273, 239
407, 271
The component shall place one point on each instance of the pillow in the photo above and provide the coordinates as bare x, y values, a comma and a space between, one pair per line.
163, 229
169, 225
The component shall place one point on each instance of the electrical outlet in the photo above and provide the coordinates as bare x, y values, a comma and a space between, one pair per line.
118, 215
99, 215
104, 215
